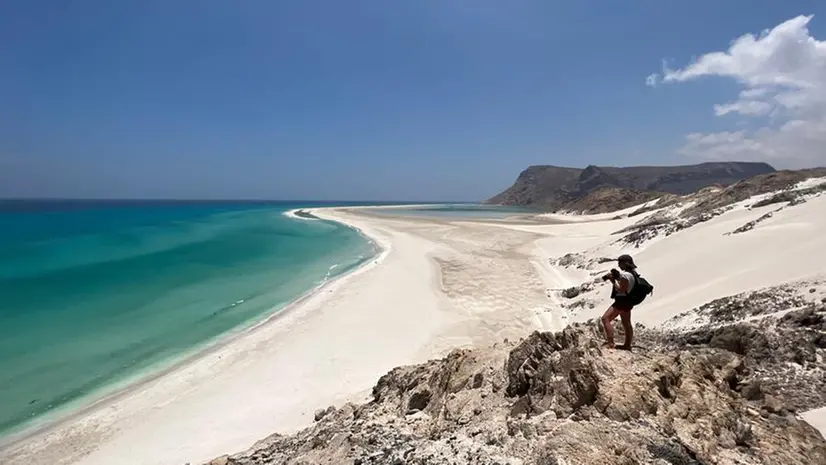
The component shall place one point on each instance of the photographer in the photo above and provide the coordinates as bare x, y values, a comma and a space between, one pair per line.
622, 283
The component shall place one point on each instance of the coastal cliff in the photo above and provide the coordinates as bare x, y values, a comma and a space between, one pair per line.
558, 188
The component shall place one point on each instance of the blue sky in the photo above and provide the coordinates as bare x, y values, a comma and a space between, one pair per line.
402, 100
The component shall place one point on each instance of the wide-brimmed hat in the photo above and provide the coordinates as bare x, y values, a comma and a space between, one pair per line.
627, 260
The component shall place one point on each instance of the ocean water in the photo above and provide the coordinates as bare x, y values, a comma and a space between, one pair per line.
95, 293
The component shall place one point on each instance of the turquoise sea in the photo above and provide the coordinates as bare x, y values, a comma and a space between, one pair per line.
96, 293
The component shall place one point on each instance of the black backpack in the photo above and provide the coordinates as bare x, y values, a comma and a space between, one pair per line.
640, 290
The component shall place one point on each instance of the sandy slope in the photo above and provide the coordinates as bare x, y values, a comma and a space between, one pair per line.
440, 284
328, 348
702, 263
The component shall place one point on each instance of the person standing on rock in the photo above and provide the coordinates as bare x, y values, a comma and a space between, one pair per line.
622, 283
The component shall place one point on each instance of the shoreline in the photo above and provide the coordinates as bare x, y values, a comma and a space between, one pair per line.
437, 285
119, 390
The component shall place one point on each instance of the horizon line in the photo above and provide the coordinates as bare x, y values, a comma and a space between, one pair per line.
172, 199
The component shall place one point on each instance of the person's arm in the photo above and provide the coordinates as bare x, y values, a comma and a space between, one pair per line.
620, 283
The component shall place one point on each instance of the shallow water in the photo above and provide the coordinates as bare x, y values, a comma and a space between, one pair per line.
458, 210
94, 293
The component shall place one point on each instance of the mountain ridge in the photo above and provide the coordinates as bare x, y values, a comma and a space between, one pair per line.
554, 188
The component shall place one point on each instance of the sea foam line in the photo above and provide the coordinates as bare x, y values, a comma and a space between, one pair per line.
301, 214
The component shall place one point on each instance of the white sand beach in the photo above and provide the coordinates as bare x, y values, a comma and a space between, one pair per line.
439, 284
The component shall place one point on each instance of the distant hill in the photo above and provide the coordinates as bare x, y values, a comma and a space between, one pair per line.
558, 188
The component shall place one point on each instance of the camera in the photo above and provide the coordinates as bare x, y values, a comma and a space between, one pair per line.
614, 274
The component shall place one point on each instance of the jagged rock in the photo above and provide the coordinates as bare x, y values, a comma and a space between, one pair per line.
575, 291
795, 197
784, 355
570, 259
752, 391
713, 395
321, 413
777, 198
751, 224
772, 405
748, 304
644, 232
571, 292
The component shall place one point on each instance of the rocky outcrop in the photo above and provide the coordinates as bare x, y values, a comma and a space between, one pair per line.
773, 182
609, 199
665, 224
721, 394
557, 188
779, 332
675, 213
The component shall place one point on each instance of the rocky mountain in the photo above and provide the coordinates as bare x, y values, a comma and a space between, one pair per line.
724, 392
557, 188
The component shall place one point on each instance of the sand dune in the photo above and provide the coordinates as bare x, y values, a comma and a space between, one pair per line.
439, 284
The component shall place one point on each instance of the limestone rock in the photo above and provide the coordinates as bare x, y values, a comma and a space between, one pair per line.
714, 395
321, 413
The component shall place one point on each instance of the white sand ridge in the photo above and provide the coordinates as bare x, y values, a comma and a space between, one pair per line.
440, 284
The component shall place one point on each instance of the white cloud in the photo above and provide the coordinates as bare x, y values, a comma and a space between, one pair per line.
745, 107
754, 93
652, 80
783, 72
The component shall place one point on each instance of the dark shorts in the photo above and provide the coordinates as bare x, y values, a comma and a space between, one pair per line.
622, 304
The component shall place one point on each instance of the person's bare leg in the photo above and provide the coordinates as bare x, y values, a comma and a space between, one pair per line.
609, 316
628, 328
